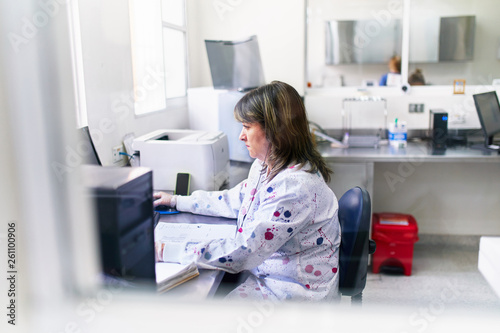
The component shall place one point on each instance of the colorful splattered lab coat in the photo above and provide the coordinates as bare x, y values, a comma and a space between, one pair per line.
288, 235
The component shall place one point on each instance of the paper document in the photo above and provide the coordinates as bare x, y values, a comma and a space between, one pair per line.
175, 235
193, 232
169, 275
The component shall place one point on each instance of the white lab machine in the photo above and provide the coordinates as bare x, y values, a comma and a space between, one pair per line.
211, 110
204, 155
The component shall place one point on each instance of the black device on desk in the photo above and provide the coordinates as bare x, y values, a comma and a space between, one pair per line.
438, 126
182, 183
488, 111
123, 199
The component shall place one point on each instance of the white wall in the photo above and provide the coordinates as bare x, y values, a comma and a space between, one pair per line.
105, 27
325, 106
445, 198
278, 24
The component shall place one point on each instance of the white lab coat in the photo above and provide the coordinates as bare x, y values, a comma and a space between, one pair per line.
288, 235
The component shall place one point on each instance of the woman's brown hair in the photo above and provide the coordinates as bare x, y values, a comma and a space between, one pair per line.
279, 109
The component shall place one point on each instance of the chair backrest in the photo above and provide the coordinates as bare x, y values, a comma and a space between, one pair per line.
354, 217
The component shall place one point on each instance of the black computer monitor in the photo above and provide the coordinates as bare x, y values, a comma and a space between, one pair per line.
488, 110
123, 202
85, 147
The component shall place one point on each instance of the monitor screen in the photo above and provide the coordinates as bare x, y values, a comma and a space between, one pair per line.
86, 147
488, 111
235, 65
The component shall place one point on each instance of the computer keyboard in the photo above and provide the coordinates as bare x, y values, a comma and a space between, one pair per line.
192, 231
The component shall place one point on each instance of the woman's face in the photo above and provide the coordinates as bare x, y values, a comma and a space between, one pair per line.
254, 138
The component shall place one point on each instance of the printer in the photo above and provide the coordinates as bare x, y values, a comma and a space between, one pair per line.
204, 155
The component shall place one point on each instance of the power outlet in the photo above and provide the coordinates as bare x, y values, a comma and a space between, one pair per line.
416, 108
117, 158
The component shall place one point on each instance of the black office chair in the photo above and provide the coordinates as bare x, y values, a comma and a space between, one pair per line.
355, 245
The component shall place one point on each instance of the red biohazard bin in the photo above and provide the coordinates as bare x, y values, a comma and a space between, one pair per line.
395, 234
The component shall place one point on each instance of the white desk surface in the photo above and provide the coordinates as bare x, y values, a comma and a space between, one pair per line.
488, 262
205, 285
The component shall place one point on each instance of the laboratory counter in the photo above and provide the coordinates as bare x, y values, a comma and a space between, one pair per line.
424, 182
415, 151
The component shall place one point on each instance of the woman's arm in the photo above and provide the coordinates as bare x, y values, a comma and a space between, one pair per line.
278, 215
225, 203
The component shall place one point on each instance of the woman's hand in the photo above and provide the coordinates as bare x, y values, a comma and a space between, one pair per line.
162, 198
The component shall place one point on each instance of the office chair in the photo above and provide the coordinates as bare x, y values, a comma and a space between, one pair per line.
355, 245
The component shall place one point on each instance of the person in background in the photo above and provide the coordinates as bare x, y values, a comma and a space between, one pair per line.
288, 233
394, 75
416, 78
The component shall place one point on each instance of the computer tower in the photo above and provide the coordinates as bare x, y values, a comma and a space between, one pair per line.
438, 127
123, 201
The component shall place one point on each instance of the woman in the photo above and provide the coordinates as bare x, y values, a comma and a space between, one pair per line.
288, 233
417, 78
393, 78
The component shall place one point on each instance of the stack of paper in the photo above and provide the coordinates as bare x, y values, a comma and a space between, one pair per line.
176, 235
182, 232
169, 275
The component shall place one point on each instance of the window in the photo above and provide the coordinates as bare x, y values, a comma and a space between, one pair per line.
174, 47
159, 57
358, 38
77, 63
444, 39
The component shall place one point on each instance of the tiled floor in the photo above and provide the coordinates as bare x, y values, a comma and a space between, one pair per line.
444, 274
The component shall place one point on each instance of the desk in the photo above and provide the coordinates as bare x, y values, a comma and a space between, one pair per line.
363, 159
356, 165
205, 285
419, 151
445, 192
456, 192
488, 263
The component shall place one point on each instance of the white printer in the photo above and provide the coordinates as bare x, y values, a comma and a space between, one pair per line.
204, 155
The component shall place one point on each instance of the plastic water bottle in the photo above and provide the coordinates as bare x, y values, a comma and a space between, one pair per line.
397, 134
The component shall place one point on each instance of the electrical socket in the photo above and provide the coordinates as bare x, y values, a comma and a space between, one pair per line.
116, 154
416, 108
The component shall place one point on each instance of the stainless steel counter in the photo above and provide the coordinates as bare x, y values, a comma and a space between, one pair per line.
420, 151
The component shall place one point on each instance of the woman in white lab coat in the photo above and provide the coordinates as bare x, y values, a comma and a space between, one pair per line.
288, 233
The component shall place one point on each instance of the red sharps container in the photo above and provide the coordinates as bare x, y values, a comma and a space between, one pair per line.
395, 235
